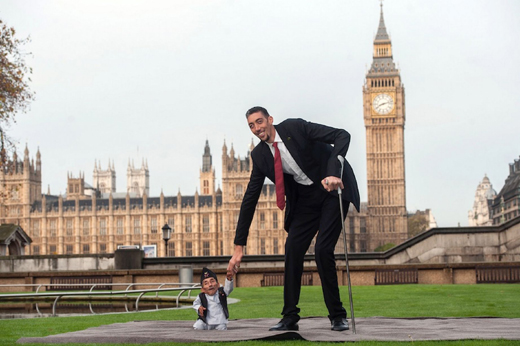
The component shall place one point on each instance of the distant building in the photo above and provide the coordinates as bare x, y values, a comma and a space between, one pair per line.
506, 204
105, 180
480, 215
420, 221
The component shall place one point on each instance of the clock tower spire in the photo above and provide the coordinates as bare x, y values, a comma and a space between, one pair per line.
384, 117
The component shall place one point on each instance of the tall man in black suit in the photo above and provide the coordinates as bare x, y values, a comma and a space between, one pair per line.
311, 172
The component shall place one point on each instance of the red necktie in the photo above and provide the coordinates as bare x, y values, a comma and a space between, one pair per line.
278, 177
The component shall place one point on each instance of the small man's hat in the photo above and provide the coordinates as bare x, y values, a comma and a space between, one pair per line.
207, 273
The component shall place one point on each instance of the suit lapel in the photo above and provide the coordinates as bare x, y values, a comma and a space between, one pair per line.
268, 158
290, 143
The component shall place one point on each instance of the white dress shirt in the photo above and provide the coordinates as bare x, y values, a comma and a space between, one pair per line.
289, 166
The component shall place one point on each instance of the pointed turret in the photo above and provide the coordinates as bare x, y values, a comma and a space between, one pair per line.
381, 30
232, 151
26, 155
206, 158
38, 160
383, 60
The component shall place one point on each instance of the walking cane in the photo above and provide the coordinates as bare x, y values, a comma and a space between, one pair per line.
342, 161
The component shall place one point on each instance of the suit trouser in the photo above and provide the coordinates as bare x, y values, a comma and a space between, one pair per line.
315, 210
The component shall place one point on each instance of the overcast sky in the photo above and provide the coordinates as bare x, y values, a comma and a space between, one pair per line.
127, 80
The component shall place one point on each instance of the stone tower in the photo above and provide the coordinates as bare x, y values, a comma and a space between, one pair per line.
207, 173
20, 187
384, 117
104, 180
138, 180
481, 214
75, 186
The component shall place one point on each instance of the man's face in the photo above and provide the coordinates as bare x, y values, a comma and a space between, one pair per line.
209, 286
261, 126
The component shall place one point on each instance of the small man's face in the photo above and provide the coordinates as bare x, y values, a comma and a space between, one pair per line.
209, 286
261, 126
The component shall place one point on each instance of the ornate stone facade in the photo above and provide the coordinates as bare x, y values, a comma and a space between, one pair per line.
506, 205
480, 214
384, 116
104, 180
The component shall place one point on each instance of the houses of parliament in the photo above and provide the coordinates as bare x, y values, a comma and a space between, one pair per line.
98, 219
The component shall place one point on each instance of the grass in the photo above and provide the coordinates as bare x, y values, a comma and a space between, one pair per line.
499, 300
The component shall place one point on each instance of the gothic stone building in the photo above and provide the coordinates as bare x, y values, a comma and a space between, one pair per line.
506, 205
94, 219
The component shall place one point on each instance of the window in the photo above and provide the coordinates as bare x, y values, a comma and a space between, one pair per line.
205, 248
275, 220
171, 223
52, 228
154, 225
86, 248
103, 226
171, 249
86, 228
351, 225
221, 252
36, 250
137, 226
36, 229
262, 246
119, 226
275, 246
52, 249
362, 225
239, 190
189, 251
205, 223
69, 249
68, 228
188, 224
102, 248
262, 220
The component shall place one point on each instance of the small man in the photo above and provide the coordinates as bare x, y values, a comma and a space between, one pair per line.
211, 303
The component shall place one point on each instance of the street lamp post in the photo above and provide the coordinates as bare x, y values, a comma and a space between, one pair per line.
166, 234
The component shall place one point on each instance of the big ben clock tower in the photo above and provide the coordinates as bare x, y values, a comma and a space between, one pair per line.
384, 115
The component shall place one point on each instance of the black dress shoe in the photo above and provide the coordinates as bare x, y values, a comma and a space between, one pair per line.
339, 324
285, 324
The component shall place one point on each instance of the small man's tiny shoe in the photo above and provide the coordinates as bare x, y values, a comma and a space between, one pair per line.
339, 324
285, 324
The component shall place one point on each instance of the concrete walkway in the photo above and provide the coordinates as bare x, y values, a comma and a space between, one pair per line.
312, 329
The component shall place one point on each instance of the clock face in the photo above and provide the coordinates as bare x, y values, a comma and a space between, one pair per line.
383, 104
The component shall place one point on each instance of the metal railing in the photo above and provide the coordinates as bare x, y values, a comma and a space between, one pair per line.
183, 287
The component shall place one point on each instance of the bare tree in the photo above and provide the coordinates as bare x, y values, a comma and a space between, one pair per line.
15, 94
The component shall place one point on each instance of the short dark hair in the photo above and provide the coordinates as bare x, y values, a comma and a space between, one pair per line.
256, 110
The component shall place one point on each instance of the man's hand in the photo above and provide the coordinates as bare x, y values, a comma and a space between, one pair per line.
332, 183
234, 262
201, 310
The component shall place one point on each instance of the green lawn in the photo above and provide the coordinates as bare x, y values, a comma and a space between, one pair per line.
389, 301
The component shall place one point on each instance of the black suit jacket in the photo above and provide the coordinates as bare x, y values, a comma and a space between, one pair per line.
310, 146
